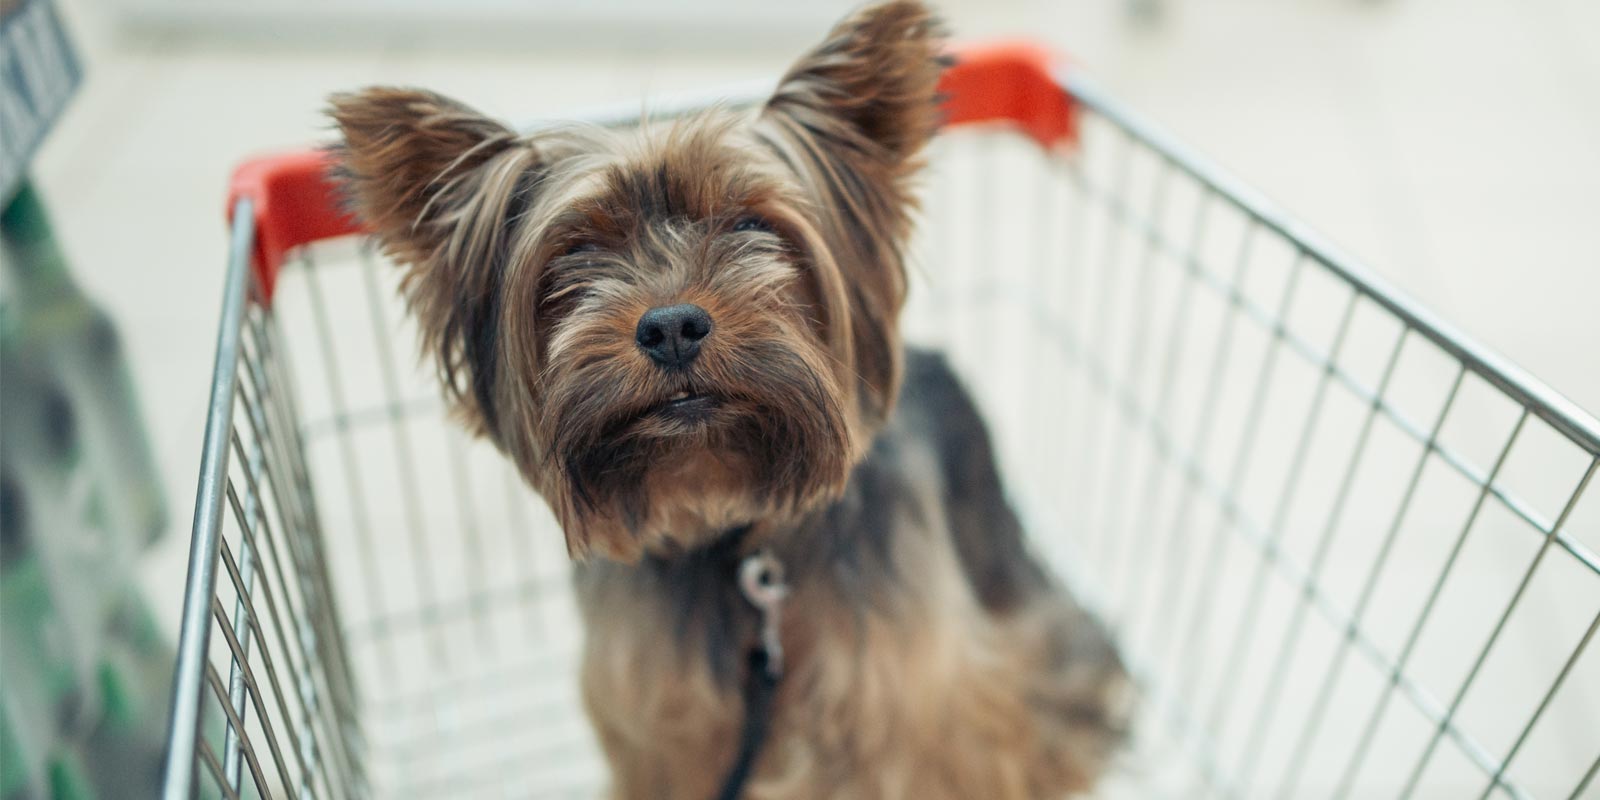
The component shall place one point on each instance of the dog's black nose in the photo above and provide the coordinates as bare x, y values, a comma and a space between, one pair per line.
671, 335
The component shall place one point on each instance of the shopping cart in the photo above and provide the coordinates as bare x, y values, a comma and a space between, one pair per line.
1347, 551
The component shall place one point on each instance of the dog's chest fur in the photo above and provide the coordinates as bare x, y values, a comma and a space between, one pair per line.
927, 654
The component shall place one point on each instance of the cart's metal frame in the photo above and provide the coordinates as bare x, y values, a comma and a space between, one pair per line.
1535, 398
315, 686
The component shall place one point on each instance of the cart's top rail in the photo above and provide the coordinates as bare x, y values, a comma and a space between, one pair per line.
1015, 83
1562, 414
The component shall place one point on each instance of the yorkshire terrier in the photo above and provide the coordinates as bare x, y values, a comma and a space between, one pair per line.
684, 335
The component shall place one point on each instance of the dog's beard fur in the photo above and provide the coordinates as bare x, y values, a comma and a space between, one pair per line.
531, 258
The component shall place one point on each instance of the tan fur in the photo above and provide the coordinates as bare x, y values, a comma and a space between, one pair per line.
932, 698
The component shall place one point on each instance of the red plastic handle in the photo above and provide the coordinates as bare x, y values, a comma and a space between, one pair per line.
295, 204
1010, 82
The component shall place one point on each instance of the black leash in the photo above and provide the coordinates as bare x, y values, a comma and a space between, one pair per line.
761, 581
759, 689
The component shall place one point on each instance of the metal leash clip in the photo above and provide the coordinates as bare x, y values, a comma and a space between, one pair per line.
761, 580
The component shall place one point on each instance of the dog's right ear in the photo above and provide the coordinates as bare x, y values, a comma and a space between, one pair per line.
440, 185
410, 158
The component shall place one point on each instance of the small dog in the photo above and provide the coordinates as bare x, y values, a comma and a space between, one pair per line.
684, 335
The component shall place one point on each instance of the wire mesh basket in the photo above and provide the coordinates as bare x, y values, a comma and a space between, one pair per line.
1347, 552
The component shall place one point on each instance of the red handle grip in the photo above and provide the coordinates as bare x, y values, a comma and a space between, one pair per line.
1010, 82
295, 203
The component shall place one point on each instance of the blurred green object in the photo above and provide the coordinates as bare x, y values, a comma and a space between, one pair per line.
84, 674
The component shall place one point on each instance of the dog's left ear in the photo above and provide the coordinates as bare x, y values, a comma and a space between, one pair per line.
853, 116
870, 86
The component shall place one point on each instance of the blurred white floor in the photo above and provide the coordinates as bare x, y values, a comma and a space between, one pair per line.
1453, 144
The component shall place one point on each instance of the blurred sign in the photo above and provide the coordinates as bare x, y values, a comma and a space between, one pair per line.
38, 72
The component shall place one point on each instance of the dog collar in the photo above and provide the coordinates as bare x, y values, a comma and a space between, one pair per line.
761, 581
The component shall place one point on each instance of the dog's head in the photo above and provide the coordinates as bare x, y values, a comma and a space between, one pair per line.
673, 329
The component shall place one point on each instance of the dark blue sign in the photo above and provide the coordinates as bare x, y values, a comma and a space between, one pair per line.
38, 72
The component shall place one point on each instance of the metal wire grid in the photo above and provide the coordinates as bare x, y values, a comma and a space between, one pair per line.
1142, 321
268, 704
454, 574
333, 668
1304, 504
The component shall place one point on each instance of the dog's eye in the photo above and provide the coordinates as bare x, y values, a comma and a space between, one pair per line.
752, 222
580, 247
